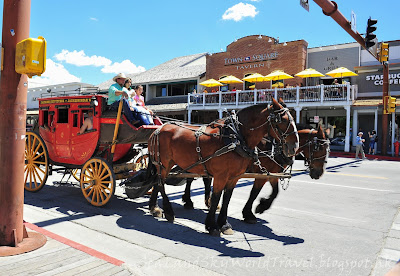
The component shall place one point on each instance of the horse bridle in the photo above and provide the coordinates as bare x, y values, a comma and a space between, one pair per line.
275, 119
314, 144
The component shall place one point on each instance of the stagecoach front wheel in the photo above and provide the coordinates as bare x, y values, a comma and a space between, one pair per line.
75, 174
97, 181
36, 162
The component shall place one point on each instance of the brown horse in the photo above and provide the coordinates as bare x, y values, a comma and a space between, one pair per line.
315, 148
204, 150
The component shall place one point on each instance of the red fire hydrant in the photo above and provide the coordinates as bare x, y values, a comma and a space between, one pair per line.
396, 147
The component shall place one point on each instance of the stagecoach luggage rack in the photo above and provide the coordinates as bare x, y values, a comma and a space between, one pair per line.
77, 92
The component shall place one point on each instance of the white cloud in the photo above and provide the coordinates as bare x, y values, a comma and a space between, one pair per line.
125, 66
55, 74
95, 19
240, 11
81, 59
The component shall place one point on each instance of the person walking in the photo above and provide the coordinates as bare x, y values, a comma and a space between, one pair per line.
359, 145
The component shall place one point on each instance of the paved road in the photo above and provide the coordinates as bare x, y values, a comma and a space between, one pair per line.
343, 224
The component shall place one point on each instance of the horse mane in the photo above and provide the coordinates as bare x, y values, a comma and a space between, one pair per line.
243, 114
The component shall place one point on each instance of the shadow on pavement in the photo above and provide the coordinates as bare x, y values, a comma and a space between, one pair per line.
68, 200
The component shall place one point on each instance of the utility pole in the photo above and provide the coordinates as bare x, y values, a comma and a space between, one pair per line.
330, 8
13, 98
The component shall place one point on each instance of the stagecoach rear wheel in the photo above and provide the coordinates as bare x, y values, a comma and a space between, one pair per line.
36, 162
97, 181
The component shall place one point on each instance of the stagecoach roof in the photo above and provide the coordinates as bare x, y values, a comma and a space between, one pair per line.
186, 67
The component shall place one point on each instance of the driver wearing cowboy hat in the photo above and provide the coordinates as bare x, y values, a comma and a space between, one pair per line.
117, 93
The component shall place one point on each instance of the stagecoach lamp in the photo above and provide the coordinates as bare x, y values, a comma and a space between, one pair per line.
94, 101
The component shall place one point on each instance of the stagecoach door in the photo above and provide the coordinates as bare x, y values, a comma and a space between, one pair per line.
63, 132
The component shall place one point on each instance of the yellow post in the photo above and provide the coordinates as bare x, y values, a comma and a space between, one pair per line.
117, 125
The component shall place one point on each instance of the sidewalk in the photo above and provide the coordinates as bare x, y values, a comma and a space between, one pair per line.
61, 256
368, 156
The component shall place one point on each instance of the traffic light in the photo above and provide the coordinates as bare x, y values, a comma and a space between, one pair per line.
370, 37
389, 105
384, 52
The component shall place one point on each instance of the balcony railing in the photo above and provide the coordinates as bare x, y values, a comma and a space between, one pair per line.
292, 96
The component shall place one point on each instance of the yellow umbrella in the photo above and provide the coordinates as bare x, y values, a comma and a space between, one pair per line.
252, 86
341, 72
278, 75
277, 84
309, 73
230, 79
256, 77
211, 83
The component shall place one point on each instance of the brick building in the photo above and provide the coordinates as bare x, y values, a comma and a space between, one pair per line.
258, 54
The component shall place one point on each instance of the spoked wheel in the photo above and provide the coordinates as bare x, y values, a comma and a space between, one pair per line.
97, 181
36, 162
142, 160
76, 174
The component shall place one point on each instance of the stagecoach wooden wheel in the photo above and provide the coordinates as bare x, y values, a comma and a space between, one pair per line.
75, 173
142, 160
36, 162
97, 181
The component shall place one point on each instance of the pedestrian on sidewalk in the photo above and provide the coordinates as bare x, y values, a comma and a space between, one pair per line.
359, 145
372, 141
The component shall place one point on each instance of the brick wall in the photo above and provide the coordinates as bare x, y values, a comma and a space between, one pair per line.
251, 54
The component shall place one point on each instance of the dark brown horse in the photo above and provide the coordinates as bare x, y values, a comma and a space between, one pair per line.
315, 148
200, 150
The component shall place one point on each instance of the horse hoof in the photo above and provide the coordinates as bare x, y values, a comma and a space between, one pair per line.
156, 212
227, 231
170, 218
188, 205
214, 233
250, 220
259, 209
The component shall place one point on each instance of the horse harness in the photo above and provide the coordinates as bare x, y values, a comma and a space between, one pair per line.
314, 144
231, 136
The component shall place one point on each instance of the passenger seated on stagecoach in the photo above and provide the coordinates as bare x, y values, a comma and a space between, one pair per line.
136, 103
117, 93
88, 123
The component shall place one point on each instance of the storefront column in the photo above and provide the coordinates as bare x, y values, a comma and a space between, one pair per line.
355, 126
348, 137
298, 109
393, 132
189, 116
376, 121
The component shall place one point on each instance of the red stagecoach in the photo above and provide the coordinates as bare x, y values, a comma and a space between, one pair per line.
102, 155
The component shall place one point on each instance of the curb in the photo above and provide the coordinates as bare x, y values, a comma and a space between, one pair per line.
368, 156
75, 245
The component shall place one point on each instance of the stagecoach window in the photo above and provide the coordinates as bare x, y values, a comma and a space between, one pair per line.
62, 116
45, 118
75, 120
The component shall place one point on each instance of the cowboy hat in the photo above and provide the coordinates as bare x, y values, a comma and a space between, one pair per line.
119, 76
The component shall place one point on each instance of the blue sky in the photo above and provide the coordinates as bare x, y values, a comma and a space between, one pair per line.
90, 41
